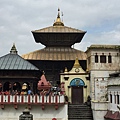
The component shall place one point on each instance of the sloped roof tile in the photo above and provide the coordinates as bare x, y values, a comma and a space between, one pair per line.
54, 53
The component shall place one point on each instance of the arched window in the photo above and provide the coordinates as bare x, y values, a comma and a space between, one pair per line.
16, 88
42, 84
77, 82
0, 87
6, 86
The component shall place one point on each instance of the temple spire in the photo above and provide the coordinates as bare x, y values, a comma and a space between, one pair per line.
76, 64
13, 49
66, 70
58, 21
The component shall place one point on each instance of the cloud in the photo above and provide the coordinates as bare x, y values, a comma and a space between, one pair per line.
18, 18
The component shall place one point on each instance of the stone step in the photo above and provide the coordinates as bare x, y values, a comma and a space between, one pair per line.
80, 109
78, 119
90, 118
84, 107
79, 115
78, 106
70, 116
79, 112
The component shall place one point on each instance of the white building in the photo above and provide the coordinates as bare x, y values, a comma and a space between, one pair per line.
102, 60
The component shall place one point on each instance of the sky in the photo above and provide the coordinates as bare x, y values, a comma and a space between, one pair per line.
100, 18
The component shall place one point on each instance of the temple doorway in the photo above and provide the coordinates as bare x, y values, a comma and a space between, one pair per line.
77, 93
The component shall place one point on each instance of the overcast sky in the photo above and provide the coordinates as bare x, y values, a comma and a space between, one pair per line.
100, 18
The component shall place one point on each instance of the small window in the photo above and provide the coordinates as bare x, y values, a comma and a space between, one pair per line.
103, 58
109, 58
96, 58
110, 98
118, 99
115, 98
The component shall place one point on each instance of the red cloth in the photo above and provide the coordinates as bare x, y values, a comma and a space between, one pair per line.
54, 119
112, 116
108, 114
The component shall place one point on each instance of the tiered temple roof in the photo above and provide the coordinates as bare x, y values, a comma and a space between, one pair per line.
58, 40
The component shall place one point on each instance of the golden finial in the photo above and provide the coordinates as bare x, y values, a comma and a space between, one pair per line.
62, 16
66, 70
58, 13
58, 21
76, 64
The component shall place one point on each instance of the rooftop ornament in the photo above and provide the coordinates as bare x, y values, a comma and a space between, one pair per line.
58, 35
58, 21
13, 49
76, 64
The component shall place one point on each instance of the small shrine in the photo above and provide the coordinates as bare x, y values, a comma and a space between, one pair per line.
76, 84
44, 85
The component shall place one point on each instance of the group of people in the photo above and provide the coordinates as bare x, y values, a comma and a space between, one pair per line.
25, 90
15, 90
53, 90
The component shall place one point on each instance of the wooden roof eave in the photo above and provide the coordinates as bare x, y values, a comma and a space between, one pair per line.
20, 77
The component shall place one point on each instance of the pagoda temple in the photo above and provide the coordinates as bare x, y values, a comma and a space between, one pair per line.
15, 73
58, 52
65, 89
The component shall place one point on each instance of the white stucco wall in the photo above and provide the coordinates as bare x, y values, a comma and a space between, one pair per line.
99, 109
10, 113
98, 83
103, 66
99, 74
114, 90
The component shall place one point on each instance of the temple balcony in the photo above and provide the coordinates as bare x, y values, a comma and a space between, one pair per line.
30, 100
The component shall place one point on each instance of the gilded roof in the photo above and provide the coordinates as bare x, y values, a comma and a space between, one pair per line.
58, 29
55, 53
13, 61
